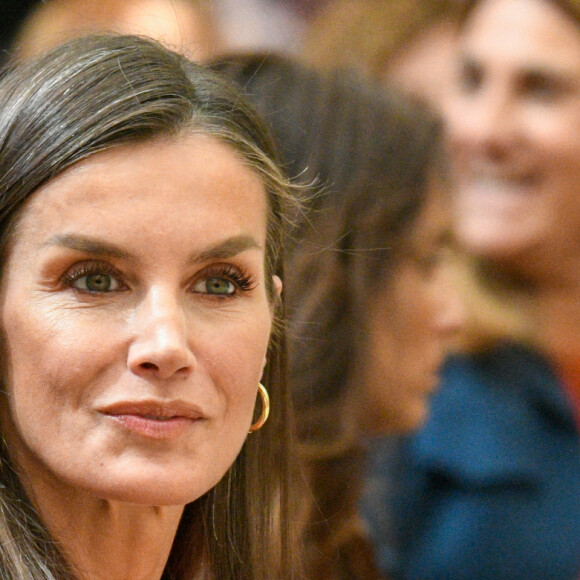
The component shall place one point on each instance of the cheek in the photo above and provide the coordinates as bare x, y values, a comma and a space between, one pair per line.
461, 126
44, 377
408, 330
57, 346
235, 360
562, 160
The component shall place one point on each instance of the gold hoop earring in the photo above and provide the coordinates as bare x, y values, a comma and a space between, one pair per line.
265, 409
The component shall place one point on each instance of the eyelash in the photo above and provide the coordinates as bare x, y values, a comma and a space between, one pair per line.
242, 281
91, 268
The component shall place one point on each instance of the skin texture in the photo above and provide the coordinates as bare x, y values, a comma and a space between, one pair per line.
175, 231
515, 136
410, 325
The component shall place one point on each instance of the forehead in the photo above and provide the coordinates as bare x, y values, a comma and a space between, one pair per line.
526, 32
168, 190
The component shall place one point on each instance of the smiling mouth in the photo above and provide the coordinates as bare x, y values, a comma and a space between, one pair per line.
500, 183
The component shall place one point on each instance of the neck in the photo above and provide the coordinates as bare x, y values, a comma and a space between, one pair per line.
556, 313
108, 539
547, 299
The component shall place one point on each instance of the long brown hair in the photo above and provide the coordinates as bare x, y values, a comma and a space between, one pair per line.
336, 275
95, 94
372, 154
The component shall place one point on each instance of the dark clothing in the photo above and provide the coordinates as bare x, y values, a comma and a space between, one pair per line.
490, 487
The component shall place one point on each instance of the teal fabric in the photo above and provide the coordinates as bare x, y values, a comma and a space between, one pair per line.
490, 487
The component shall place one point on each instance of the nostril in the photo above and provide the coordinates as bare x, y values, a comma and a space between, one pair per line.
149, 366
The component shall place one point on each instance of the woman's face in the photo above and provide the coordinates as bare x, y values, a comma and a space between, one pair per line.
515, 132
136, 322
410, 325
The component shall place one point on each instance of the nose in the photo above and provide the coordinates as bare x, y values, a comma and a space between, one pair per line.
485, 122
160, 348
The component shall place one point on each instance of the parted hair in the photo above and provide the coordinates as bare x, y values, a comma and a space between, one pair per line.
94, 94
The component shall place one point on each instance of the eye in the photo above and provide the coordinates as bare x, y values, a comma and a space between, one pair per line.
470, 76
96, 283
223, 280
428, 264
540, 86
93, 278
217, 286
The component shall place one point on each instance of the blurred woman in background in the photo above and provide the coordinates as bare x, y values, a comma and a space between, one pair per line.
410, 44
370, 297
490, 488
188, 26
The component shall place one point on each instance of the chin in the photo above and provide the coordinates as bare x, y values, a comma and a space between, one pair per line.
414, 420
153, 488
402, 420
151, 495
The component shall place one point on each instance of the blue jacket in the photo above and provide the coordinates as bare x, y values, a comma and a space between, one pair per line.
490, 487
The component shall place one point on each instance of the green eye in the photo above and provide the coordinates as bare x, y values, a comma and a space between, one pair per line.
220, 286
222, 281
96, 283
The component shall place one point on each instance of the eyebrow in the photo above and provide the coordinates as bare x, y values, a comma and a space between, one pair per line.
227, 249
559, 73
223, 250
87, 246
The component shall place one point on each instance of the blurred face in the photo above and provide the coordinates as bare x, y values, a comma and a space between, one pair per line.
411, 322
136, 321
515, 133
177, 23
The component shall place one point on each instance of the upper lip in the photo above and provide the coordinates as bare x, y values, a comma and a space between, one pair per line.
154, 408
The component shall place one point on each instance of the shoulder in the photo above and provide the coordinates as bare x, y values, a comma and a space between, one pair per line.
492, 416
508, 379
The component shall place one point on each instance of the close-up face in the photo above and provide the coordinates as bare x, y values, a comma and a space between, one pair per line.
515, 132
136, 320
411, 323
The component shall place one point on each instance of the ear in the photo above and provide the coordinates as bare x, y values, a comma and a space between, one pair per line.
277, 284
277, 287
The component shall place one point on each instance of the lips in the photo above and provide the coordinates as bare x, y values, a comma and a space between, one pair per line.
155, 409
154, 419
503, 196
511, 177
